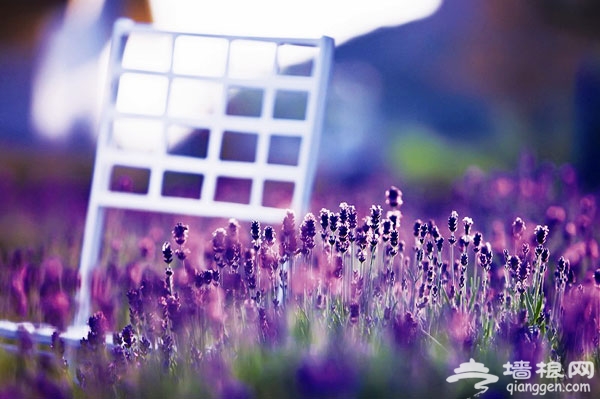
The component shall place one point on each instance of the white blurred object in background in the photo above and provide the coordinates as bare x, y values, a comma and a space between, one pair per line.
67, 90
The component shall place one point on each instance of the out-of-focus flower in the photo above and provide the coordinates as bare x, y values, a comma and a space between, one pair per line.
180, 233
393, 197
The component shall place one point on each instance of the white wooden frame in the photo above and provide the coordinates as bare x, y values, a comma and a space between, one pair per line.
312, 86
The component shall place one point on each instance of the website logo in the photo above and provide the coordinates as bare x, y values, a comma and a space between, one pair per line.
536, 379
474, 370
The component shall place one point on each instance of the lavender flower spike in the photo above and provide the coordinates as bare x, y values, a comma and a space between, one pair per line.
167, 253
393, 197
180, 233
541, 234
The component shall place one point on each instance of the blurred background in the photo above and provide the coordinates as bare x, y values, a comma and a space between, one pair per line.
417, 95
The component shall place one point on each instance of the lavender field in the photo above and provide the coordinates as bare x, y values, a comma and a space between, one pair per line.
382, 291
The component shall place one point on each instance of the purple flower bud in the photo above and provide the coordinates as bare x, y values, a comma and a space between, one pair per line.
333, 221
524, 269
468, 223
514, 263
354, 312
464, 242
518, 227
218, 240
288, 243
525, 249
352, 217
545, 255
439, 243
393, 197
167, 252
207, 276
597, 277
477, 241
324, 218
308, 230
344, 213
453, 221
387, 228
394, 242
180, 233
375, 217
199, 279
98, 328
434, 231
541, 234
423, 231
269, 235
429, 247
255, 230
128, 336
417, 227
215, 276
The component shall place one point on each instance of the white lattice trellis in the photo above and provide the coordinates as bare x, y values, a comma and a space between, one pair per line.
204, 125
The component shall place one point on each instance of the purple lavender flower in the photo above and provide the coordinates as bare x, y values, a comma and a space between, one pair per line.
255, 234
269, 236
219, 245
98, 328
308, 230
453, 222
324, 221
394, 240
375, 218
541, 234
393, 197
514, 264
352, 217
463, 242
207, 276
354, 312
167, 252
180, 233
545, 255
477, 237
423, 231
288, 238
518, 227
249, 260
218, 240
467, 223
386, 230
342, 244
439, 244
128, 336
232, 244
216, 276
135, 306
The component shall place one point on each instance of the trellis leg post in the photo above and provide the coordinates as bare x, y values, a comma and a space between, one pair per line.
92, 241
